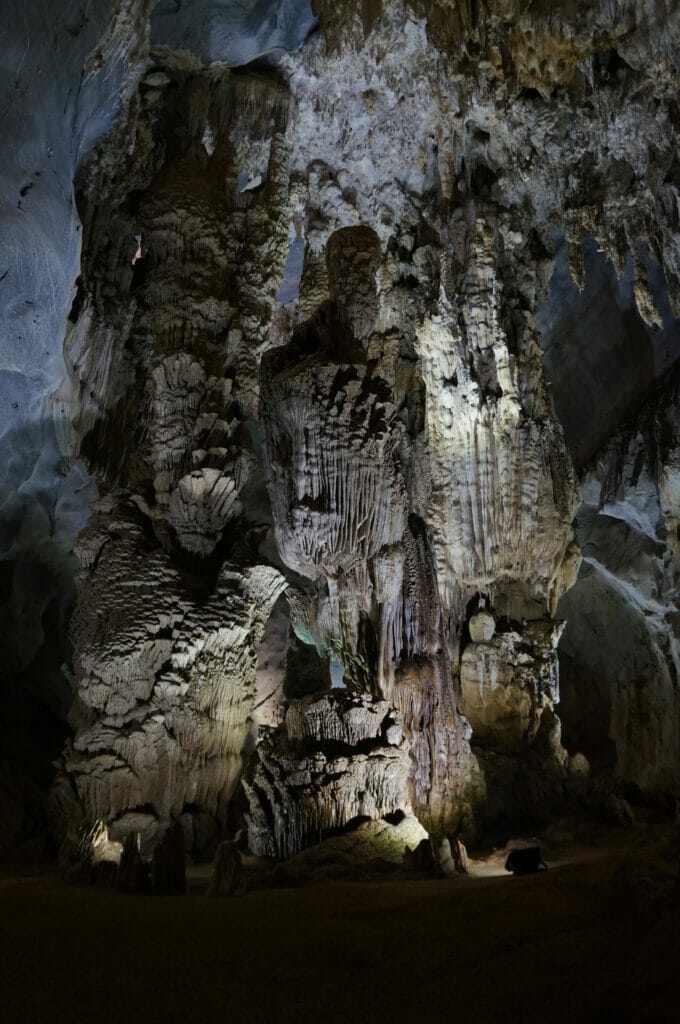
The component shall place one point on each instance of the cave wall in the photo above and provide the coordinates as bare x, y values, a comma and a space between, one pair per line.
617, 401
64, 76
325, 340
620, 648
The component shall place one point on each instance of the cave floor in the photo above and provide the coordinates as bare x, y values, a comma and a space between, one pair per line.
595, 938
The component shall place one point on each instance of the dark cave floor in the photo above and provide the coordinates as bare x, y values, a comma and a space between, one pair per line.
594, 939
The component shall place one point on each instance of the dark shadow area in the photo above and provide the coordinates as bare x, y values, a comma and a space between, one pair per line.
585, 711
601, 359
589, 940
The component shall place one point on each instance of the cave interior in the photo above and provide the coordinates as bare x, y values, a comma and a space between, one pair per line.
340, 508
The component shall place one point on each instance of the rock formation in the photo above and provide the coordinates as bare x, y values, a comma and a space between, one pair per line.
507, 681
623, 701
338, 760
313, 362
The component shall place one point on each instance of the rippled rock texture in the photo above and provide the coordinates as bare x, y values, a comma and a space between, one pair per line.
337, 761
338, 462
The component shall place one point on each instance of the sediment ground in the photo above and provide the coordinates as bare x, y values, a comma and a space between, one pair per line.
594, 939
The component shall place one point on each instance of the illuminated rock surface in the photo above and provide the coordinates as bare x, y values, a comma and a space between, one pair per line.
330, 350
506, 683
311, 777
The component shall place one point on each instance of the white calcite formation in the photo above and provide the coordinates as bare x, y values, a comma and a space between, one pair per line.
339, 500
507, 681
337, 495
482, 626
166, 676
337, 759
384, 446
166, 632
